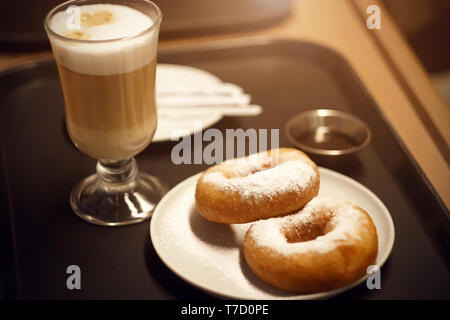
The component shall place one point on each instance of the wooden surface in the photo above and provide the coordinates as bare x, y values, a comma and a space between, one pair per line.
341, 25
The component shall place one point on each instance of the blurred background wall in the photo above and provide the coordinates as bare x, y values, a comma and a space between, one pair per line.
426, 25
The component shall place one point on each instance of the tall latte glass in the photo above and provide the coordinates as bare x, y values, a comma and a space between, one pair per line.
106, 57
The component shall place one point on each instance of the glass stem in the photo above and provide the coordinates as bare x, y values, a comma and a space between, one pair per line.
113, 172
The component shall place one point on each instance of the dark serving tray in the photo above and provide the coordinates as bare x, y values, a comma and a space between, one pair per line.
40, 235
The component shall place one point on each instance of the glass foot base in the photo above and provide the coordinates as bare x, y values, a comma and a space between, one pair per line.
106, 204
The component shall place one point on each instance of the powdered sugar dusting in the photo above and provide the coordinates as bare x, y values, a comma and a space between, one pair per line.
247, 165
343, 215
289, 176
206, 245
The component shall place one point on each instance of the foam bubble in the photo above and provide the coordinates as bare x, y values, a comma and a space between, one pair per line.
103, 22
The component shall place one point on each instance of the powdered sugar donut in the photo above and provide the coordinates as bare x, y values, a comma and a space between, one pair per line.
328, 244
263, 185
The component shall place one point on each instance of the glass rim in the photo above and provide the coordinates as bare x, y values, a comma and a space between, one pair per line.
49, 30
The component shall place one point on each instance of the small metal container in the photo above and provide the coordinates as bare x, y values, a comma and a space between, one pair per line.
327, 132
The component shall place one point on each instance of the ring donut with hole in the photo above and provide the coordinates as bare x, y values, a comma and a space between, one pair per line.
263, 185
324, 246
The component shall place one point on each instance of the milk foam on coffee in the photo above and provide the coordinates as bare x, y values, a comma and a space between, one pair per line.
103, 22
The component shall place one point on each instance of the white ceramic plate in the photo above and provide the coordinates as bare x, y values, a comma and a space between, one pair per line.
167, 74
209, 255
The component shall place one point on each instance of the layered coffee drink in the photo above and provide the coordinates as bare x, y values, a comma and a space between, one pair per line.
108, 85
105, 51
